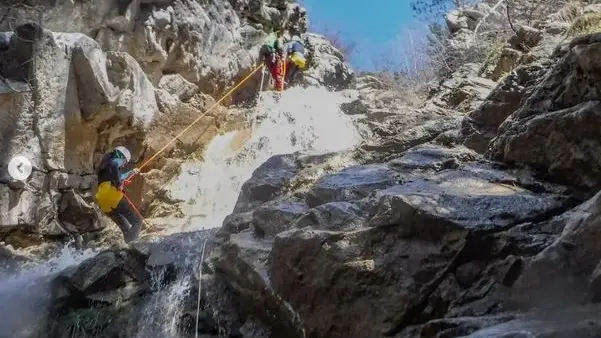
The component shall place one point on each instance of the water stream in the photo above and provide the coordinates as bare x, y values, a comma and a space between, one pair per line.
25, 296
308, 120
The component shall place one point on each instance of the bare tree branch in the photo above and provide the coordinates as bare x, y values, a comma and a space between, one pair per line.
481, 21
509, 17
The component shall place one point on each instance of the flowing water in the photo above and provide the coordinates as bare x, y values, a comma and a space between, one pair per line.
25, 296
308, 120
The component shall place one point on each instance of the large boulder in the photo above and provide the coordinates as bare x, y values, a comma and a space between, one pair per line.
111, 293
351, 183
317, 255
326, 64
109, 277
570, 264
395, 143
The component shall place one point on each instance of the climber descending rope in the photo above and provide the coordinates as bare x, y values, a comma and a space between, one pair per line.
111, 196
283, 57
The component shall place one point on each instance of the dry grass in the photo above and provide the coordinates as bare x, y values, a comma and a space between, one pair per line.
586, 24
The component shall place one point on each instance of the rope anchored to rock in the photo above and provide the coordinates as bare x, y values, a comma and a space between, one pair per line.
197, 120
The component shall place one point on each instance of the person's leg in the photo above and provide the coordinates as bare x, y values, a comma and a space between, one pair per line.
290, 73
121, 222
135, 223
278, 76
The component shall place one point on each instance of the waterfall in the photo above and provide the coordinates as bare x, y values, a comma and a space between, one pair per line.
303, 119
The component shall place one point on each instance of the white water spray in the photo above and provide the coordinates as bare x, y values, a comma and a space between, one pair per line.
26, 296
160, 317
308, 120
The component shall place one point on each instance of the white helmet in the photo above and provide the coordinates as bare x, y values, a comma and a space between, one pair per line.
124, 152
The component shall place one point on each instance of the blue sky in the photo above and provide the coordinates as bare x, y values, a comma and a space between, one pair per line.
374, 24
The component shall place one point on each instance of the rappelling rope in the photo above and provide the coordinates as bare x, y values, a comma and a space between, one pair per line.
202, 257
132, 205
283, 73
254, 118
252, 124
197, 120
261, 85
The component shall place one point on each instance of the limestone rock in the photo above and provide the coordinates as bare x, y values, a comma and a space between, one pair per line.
413, 136
576, 321
318, 271
333, 216
241, 264
326, 64
480, 126
176, 85
431, 157
569, 264
267, 182
536, 134
77, 214
272, 218
109, 277
526, 37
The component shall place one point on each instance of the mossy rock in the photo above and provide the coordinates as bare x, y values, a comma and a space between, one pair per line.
98, 321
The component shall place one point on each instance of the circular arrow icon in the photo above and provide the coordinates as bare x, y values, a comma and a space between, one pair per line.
19, 168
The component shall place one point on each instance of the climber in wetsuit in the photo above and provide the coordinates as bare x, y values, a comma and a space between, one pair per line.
273, 52
295, 60
109, 196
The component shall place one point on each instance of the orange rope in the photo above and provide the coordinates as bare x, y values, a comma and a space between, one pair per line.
284, 73
133, 206
198, 119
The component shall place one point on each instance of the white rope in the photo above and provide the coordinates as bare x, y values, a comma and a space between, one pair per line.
254, 117
202, 257
261, 86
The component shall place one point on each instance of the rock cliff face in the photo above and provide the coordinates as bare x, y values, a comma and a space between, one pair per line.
473, 214
82, 77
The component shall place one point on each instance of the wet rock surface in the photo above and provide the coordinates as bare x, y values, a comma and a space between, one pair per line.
452, 229
423, 236
115, 292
